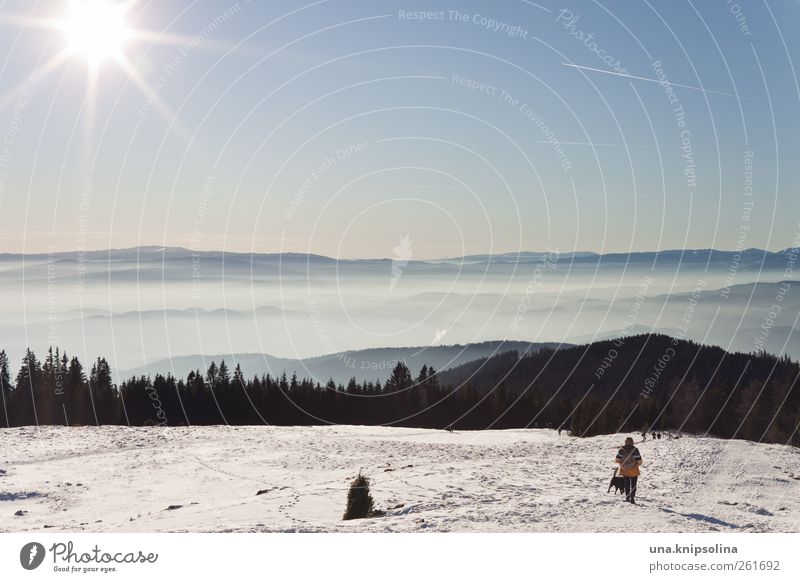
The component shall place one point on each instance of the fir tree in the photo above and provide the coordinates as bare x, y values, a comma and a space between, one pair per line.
360, 504
400, 378
5, 387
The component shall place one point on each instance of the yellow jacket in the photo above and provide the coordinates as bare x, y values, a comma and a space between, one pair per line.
629, 459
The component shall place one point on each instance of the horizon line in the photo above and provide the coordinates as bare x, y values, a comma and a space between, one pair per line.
521, 253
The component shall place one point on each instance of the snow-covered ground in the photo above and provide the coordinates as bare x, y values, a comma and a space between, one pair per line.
207, 479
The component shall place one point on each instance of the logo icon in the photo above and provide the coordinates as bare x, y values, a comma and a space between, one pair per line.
31, 555
440, 333
402, 254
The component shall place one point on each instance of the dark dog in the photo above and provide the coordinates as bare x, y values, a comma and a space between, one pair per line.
618, 483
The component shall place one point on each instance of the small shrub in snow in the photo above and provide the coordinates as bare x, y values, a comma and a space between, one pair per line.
360, 504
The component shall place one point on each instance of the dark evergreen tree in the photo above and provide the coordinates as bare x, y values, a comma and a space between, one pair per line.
5, 388
79, 404
400, 378
27, 387
360, 504
48, 399
103, 393
224, 376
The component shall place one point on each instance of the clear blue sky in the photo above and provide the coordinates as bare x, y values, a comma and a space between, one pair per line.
568, 144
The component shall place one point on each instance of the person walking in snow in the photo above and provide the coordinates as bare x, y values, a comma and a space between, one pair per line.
629, 459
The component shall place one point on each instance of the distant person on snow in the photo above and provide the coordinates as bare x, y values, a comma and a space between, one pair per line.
629, 459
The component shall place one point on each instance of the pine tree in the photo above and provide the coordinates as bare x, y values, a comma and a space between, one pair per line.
5, 388
748, 411
61, 362
80, 409
685, 404
212, 375
224, 375
47, 397
432, 380
400, 378
27, 387
360, 504
103, 393
238, 377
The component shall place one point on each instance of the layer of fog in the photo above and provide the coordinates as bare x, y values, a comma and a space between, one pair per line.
138, 307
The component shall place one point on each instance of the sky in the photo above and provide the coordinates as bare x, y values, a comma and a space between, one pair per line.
416, 129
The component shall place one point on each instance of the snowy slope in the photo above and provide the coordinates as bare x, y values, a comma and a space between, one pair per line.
124, 479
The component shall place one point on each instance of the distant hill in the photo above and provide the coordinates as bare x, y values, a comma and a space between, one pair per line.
644, 381
369, 364
146, 256
625, 368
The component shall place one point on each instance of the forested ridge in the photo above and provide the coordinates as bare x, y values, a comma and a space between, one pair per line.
646, 382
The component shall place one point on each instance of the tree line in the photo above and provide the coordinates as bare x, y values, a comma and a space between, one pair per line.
600, 388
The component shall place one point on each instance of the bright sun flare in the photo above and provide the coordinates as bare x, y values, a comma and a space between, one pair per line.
95, 29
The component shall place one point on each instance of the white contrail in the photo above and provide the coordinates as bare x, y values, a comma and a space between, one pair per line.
651, 80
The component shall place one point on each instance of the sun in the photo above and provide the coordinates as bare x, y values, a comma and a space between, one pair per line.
96, 30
